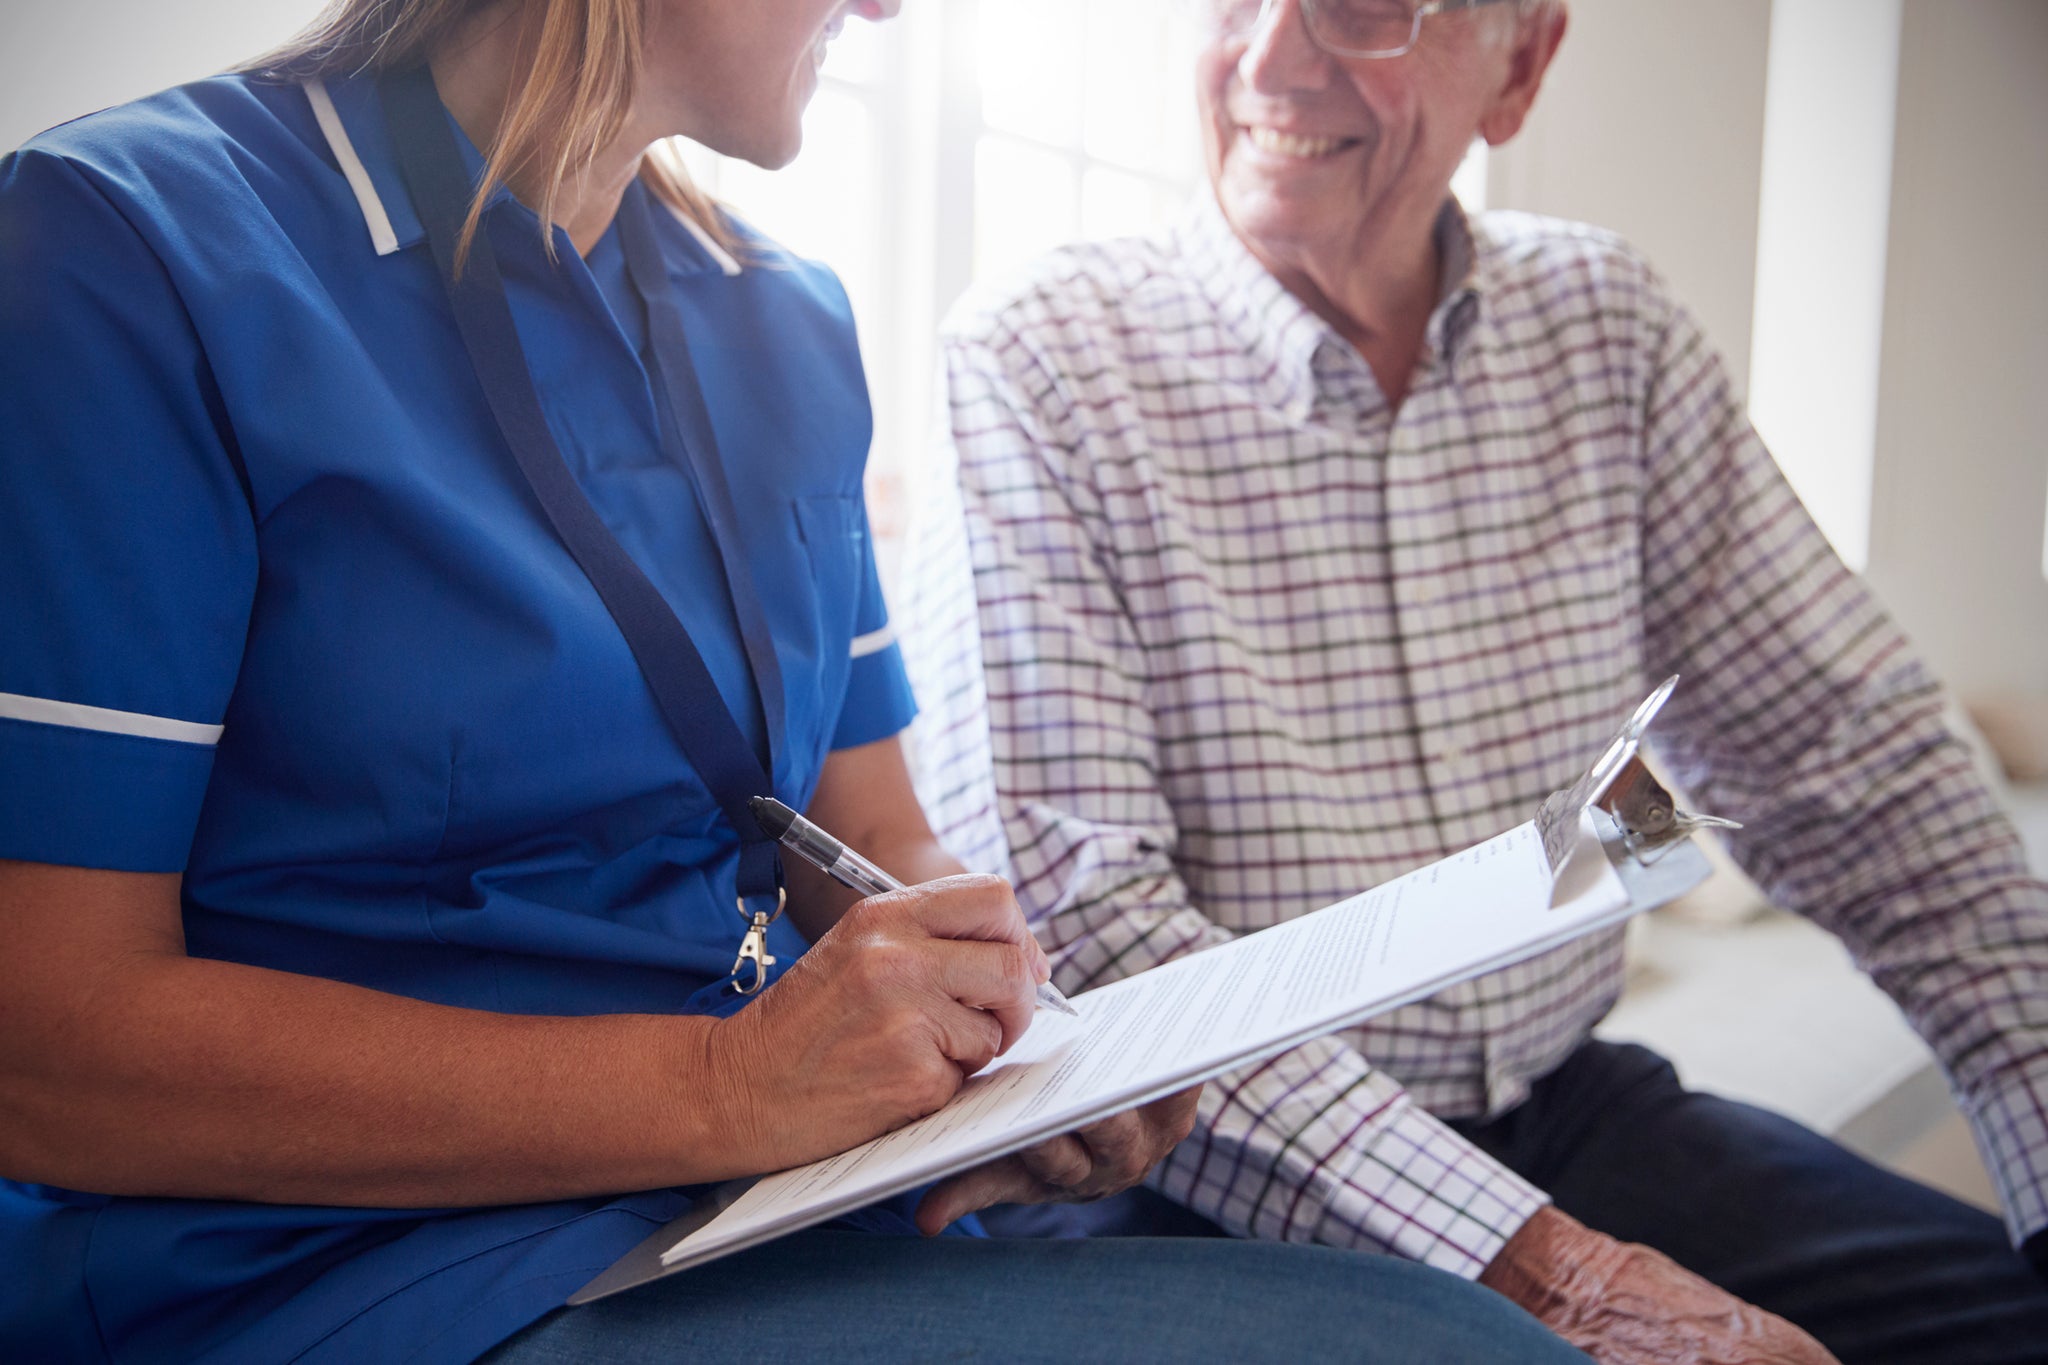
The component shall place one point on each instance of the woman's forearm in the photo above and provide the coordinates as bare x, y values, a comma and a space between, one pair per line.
218, 1081
134, 1069
127, 1067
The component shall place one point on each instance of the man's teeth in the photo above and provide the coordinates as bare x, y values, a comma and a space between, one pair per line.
1289, 144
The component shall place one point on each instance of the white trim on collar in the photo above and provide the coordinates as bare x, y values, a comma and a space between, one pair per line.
374, 216
382, 237
76, 716
711, 247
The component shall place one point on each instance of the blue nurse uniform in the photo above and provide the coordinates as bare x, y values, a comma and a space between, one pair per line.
278, 612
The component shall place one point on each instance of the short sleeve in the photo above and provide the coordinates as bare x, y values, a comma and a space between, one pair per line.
127, 547
878, 703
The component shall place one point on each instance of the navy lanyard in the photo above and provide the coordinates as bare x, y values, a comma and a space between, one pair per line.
686, 427
711, 739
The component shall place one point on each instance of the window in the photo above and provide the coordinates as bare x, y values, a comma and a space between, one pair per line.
1086, 124
957, 142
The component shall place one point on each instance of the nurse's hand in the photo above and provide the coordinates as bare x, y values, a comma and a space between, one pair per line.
880, 1023
1103, 1159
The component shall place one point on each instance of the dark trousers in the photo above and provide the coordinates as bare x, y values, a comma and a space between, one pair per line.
1878, 1267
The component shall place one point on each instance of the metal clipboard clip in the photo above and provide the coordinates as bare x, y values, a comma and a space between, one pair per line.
1651, 822
1620, 784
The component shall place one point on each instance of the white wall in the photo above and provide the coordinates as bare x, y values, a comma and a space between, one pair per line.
1898, 299
1652, 123
1822, 233
63, 58
1962, 430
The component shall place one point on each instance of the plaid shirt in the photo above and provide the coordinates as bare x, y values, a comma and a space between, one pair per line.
1207, 637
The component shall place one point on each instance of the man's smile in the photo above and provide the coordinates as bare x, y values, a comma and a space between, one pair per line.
1295, 146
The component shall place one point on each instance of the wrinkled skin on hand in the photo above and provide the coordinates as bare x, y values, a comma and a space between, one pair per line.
881, 1022
1102, 1159
903, 999
1625, 1304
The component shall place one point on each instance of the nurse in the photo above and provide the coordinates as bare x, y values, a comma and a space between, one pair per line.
424, 521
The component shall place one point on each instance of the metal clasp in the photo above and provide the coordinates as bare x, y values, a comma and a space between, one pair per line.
1648, 817
754, 945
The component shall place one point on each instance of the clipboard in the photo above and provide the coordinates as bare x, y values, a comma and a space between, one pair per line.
1641, 837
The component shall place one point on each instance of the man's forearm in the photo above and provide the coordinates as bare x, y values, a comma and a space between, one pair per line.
203, 1079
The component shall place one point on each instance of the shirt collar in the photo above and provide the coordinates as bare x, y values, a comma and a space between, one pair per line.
351, 118
1281, 334
1276, 330
1460, 291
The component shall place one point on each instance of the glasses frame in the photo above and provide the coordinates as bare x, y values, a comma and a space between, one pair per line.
1310, 10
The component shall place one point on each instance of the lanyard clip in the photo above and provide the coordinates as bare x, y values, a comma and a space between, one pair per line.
754, 945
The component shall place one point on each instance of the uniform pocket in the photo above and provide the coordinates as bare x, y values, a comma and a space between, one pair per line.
834, 532
835, 536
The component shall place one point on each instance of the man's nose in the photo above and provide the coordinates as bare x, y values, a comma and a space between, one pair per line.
1280, 56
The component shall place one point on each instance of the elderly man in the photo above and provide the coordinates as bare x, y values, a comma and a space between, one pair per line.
1323, 538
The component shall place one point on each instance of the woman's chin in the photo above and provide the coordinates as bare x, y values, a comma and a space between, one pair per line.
769, 147
781, 135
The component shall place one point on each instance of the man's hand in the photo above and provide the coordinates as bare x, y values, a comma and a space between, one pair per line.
1625, 1304
1107, 1158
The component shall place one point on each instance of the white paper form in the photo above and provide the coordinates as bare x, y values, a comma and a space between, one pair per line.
1163, 1030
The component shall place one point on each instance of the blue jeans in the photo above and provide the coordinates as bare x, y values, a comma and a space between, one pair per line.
853, 1298
1882, 1270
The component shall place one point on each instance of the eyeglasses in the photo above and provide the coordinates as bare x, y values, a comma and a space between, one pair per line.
1346, 28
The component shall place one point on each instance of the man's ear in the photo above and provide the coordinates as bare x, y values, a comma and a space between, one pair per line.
1535, 46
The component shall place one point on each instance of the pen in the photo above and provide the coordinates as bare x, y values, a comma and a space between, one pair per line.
852, 871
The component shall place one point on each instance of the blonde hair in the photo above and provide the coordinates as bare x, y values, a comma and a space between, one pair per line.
572, 98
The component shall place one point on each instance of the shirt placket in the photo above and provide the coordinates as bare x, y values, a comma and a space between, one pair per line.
1423, 530
1424, 548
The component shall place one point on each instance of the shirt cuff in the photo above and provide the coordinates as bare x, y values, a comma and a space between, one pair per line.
1316, 1146
89, 798
2011, 1121
1424, 1192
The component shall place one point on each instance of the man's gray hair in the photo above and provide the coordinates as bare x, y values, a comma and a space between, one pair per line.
1516, 17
